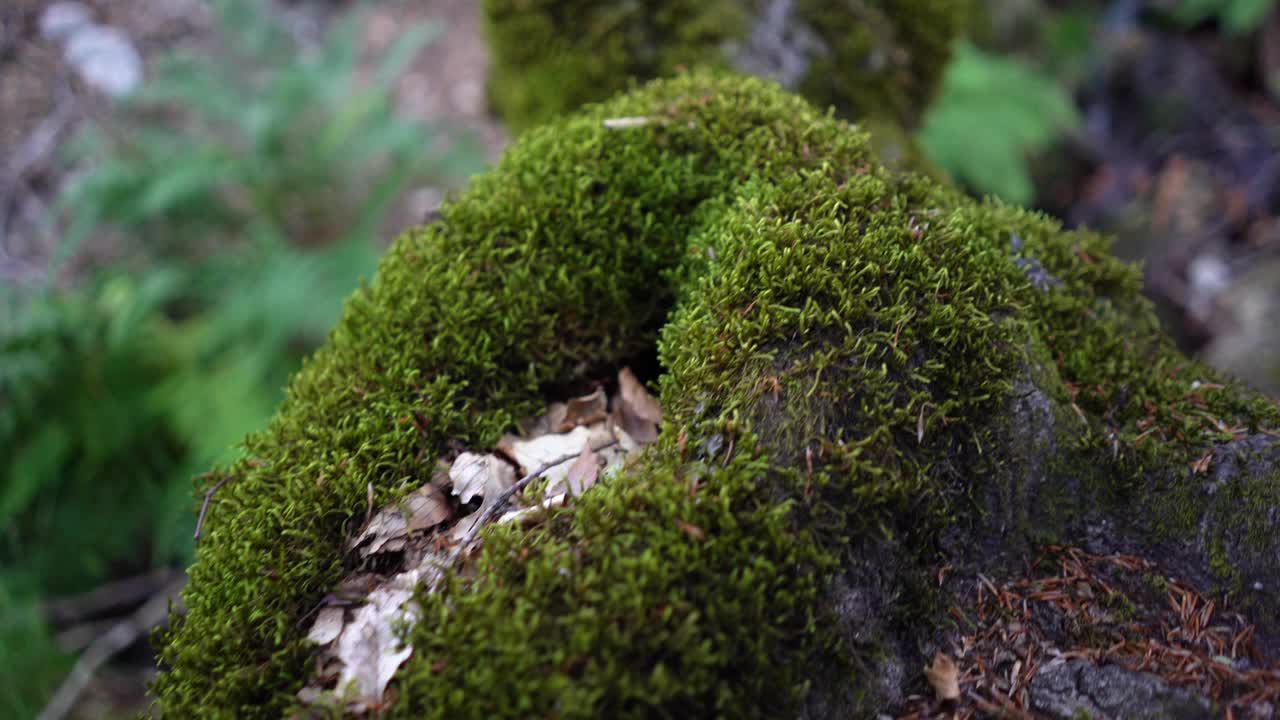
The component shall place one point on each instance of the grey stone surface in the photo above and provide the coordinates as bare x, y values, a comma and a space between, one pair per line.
1077, 689
780, 45
105, 59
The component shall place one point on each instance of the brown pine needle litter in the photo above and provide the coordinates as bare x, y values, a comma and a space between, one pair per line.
1072, 604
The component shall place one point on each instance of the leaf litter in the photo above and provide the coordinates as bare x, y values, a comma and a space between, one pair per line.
360, 629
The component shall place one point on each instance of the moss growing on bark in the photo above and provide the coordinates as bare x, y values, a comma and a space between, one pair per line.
885, 57
835, 338
868, 58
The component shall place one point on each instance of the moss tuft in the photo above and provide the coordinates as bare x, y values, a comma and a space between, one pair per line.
552, 262
834, 338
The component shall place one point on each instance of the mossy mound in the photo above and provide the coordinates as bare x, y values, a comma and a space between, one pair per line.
869, 58
863, 374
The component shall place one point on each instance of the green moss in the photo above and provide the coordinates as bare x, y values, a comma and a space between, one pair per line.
834, 338
550, 57
871, 59
1157, 583
512, 291
887, 56
604, 612
1122, 608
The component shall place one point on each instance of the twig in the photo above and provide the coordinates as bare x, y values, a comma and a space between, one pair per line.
118, 594
204, 507
119, 637
78, 637
368, 510
504, 497
626, 123
42, 140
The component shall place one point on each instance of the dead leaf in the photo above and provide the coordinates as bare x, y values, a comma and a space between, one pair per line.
639, 431
944, 677
482, 475
584, 472
427, 508
548, 422
534, 453
634, 394
363, 642
385, 532
328, 625
635, 412
584, 410
369, 646
627, 443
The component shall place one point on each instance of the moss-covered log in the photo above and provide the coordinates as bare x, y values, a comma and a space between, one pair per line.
867, 58
864, 376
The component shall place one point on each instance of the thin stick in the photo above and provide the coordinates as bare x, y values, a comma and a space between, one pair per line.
39, 144
108, 645
112, 595
505, 496
368, 511
204, 507
626, 123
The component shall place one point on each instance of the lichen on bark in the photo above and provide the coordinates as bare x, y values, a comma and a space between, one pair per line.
863, 373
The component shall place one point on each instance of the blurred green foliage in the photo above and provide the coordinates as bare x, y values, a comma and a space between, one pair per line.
245, 189
1233, 16
991, 112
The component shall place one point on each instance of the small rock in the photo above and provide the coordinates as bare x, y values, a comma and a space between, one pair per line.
1078, 688
61, 19
105, 59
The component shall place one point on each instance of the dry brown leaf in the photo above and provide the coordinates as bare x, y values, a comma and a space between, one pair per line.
534, 453
362, 643
423, 509
944, 677
635, 413
328, 625
637, 429
482, 475
427, 508
547, 422
584, 410
584, 472
369, 646
635, 395
626, 443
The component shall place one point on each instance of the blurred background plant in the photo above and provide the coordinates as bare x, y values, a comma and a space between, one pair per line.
1022, 109
1234, 16
242, 191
